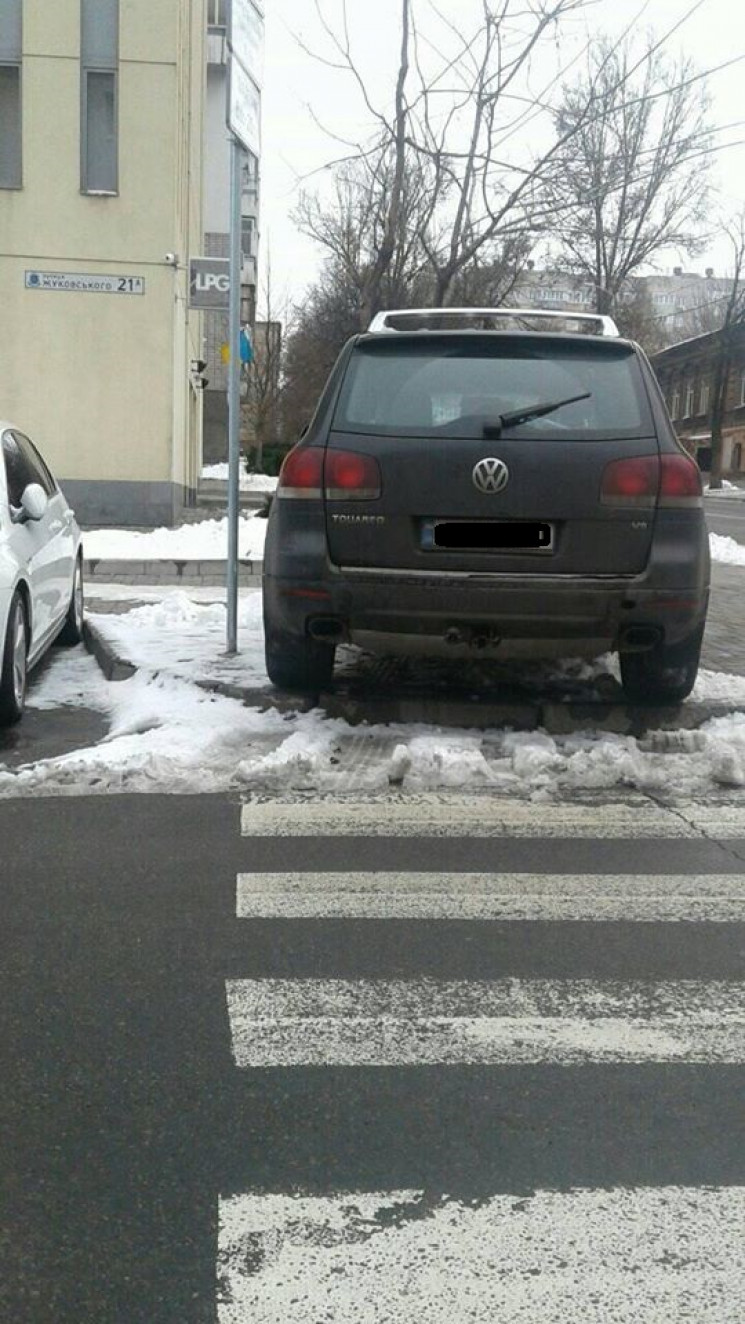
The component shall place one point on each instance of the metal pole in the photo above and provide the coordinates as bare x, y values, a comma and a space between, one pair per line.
234, 393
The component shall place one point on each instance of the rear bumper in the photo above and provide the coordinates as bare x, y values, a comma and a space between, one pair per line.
455, 614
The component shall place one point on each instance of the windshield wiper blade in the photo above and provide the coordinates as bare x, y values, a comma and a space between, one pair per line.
518, 416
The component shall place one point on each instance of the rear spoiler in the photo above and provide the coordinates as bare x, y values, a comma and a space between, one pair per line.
488, 319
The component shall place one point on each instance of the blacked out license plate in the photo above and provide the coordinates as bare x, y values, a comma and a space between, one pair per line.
490, 535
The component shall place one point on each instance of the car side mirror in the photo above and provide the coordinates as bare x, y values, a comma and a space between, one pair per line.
34, 502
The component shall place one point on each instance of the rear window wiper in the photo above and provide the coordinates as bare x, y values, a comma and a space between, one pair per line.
516, 417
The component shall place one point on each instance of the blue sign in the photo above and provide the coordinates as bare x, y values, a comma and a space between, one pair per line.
247, 351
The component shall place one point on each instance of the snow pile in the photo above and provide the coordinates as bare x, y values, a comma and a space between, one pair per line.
165, 735
726, 550
726, 490
249, 482
168, 736
667, 765
205, 541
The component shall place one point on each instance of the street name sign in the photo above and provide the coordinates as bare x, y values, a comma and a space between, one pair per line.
78, 282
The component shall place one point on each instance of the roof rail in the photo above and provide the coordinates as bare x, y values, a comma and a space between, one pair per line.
447, 319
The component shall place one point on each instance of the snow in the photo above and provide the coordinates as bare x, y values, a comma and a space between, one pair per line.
250, 482
169, 735
166, 734
208, 541
726, 490
188, 638
204, 541
726, 550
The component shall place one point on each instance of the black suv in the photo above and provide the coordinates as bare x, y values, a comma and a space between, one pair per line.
478, 483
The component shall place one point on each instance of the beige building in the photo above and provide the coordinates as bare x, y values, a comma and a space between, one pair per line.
101, 112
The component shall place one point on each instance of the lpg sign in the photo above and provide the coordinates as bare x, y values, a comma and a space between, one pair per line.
209, 283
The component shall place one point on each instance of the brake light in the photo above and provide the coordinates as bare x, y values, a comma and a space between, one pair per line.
632, 482
301, 474
680, 483
646, 480
351, 476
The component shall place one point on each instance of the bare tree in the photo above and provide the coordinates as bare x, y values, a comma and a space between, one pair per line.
632, 178
262, 406
353, 226
452, 118
732, 322
327, 316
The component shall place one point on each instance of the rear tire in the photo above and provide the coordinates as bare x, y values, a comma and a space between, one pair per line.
666, 674
14, 669
72, 630
297, 663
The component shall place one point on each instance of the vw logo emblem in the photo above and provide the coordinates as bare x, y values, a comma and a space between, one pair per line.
491, 475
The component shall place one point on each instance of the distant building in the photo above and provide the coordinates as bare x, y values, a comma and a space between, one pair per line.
680, 301
101, 110
217, 231
686, 374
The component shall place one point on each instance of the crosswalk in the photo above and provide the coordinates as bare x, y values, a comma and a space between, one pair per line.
361, 1256
433, 814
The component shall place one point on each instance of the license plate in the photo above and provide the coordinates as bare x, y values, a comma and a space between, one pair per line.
489, 535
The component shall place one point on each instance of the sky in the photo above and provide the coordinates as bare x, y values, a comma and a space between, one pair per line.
308, 107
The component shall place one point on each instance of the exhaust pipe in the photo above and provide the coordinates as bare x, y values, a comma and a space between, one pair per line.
326, 629
640, 638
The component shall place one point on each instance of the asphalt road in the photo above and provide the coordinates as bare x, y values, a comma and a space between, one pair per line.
726, 516
128, 1128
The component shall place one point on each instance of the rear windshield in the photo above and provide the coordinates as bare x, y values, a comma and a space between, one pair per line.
447, 388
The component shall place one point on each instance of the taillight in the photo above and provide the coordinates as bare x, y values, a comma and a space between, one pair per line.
680, 483
632, 482
648, 480
348, 476
351, 477
301, 474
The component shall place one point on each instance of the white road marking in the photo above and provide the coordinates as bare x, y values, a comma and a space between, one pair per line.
491, 896
336, 1022
621, 1256
432, 815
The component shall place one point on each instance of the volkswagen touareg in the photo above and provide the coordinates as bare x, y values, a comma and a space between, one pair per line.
483, 483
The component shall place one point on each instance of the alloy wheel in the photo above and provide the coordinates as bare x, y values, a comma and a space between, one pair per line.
20, 656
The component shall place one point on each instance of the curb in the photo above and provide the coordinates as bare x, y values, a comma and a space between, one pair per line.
112, 666
184, 574
556, 719
116, 668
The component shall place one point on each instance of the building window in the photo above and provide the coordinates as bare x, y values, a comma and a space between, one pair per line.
737, 457
217, 13
99, 54
742, 389
247, 236
690, 396
703, 404
675, 405
11, 53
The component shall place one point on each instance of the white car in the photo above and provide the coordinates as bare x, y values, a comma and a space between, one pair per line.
41, 567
